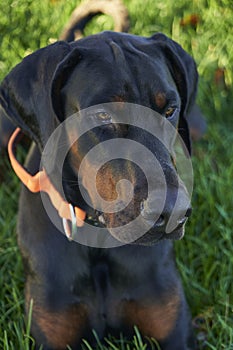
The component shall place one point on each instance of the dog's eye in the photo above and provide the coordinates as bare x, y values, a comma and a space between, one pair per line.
103, 117
170, 111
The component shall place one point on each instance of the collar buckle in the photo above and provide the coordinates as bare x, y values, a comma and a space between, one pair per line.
70, 226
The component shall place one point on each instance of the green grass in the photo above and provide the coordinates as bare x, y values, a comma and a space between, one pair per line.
205, 255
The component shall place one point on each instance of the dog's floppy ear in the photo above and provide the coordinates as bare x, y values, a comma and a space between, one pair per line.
183, 70
60, 77
25, 92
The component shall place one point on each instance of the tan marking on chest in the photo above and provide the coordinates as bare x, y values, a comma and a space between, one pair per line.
153, 320
61, 328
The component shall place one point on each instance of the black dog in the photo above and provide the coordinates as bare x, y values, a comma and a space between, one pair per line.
76, 288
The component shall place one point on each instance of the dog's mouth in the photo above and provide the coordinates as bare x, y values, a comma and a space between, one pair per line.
124, 230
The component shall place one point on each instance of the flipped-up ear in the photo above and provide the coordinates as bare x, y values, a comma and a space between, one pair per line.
60, 77
183, 70
25, 92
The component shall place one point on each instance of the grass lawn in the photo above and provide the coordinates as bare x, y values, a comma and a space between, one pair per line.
205, 255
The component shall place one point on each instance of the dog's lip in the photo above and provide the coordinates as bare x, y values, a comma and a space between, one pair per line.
153, 237
148, 240
177, 234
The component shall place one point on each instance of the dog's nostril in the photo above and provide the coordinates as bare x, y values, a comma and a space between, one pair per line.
161, 221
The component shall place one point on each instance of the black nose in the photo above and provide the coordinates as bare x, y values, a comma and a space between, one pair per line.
167, 220
165, 216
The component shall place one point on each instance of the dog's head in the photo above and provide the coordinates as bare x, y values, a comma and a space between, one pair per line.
62, 79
